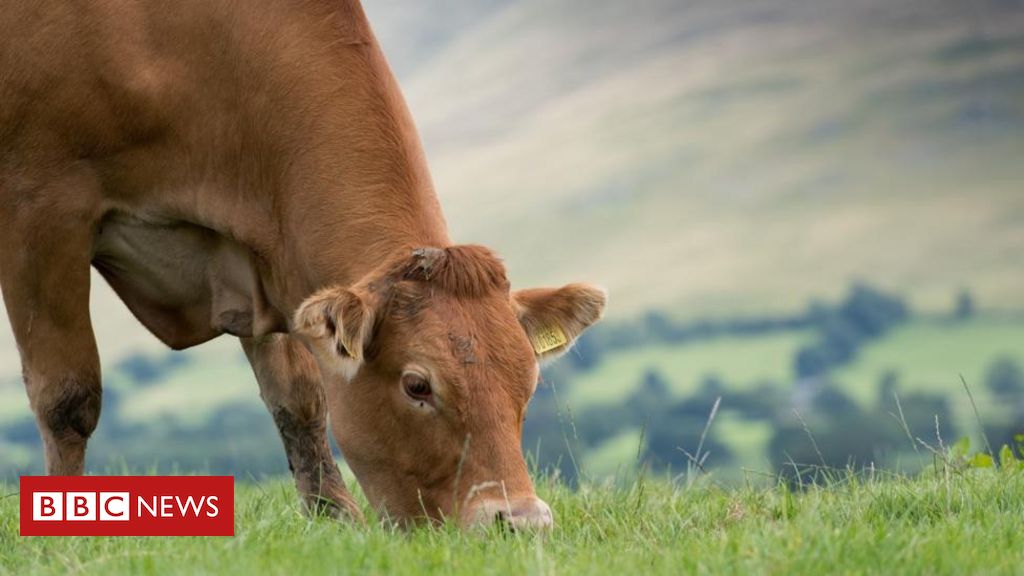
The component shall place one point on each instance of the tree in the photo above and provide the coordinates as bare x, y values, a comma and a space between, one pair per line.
840, 339
651, 396
888, 387
872, 311
811, 361
712, 386
141, 369
831, 402
964, 308
1005, 378
586, 353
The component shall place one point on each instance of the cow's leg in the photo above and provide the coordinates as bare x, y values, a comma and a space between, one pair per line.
290, 387
44, 276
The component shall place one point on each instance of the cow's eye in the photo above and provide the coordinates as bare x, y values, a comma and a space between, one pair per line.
416, 386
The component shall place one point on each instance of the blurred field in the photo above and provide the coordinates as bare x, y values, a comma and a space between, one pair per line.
740, 361
931, 356
961, 523
927, 355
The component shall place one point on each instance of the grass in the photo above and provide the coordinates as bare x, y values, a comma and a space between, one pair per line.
965, 523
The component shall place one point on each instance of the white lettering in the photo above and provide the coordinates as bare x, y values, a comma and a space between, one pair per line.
190, 503
167, 506
144, 504
214, 510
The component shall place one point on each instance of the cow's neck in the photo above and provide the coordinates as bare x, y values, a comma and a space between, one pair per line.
338, 229
293, 140
359, 190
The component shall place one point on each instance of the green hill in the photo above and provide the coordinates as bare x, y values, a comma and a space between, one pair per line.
922, 357
927, 356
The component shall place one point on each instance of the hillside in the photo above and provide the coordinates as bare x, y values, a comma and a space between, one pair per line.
736, 156
922, 360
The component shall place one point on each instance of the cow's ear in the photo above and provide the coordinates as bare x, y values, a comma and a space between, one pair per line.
336, 321
554, 318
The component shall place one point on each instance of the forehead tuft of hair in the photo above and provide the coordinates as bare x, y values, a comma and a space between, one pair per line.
468, 271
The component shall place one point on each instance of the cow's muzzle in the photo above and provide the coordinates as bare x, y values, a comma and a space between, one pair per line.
529, 513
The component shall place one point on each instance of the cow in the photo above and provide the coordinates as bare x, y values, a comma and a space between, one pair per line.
251, 169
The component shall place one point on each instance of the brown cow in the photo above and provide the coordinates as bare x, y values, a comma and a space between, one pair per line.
251, 169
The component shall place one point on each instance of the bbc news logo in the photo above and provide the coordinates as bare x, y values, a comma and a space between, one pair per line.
116, 506
81, 506
127, 506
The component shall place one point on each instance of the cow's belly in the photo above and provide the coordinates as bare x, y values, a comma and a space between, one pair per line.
185, 283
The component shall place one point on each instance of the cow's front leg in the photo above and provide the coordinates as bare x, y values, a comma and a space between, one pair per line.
44, 276
290, 387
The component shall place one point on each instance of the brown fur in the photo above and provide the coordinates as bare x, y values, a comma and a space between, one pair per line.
290, 387
221, 163
461, 271
75, 412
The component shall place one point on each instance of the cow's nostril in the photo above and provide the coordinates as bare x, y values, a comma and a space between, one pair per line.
525, 514
511, 514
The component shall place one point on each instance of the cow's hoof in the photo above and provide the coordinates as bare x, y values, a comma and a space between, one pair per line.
342, 508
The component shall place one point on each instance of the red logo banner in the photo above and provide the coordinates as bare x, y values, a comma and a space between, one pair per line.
127, 506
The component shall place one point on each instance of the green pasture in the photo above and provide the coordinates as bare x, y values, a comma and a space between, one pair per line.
965, 521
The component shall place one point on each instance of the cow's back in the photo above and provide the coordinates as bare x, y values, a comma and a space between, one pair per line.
66, 71
166, 85
40, 51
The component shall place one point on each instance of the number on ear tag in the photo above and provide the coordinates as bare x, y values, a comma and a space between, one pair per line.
548, 338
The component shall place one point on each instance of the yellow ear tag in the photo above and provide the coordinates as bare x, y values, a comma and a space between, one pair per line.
548, 338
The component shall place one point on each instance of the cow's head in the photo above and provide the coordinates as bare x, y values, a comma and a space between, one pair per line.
428, 366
